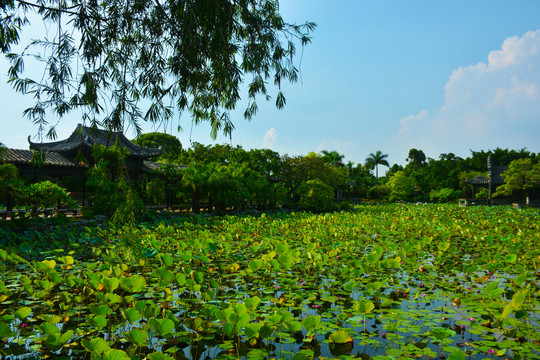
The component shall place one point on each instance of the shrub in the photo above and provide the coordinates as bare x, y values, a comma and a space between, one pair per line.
482, 194
445, 195
378, 192
155, 191
344, 205
46, 194
315, 195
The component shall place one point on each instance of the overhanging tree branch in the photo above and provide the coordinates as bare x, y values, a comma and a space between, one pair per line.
195, 54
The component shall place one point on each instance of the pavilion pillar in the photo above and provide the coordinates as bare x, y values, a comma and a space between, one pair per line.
490, 200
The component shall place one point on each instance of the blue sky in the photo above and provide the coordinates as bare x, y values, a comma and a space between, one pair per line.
440, 76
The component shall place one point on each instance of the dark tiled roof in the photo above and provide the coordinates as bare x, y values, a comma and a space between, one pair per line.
150, 166
480, 179
496, 177
15, 156
86, 136
496, 174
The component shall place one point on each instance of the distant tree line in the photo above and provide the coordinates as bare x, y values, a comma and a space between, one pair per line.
421, 179
223, 177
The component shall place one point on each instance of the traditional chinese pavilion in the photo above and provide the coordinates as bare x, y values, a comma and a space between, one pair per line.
73, 155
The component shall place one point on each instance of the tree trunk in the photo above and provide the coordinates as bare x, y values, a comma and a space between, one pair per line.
195, 202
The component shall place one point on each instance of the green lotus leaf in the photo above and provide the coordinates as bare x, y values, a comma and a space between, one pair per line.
5, 331
131, 315
44, 284
363, 307
507, 310
340, 337
115, 354
356, 320
110, 284
443, 246
137, 337
350, 286
159, 356
22, 313
495, 294
311, 322
67, 260
457, 354
197, 276
243, 320
181, 279
168, 260
98, 321
442, 333
304, 354
165, 275
147, 308
57, 340
293, 326
100, 310
48, 264
212, 247
49, 328
252, 330
520, 279
282, 248
96, 345
374, 285
252, 303
162, 326
66, 297
269, 256
375, 255
55, 276
394, 263
150, 253
518, 299
255, 264
113, 298
3, 289
267, 330
53, 319
229, 329
133, 284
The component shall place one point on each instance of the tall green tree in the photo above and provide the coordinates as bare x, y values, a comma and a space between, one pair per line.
499, 157
196, 179
400, 186
170, 144
522, 176
416, 158
374, 160
299, 169
123, 61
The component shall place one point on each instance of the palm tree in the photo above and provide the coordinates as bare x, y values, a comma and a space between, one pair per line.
332, 157
374, 160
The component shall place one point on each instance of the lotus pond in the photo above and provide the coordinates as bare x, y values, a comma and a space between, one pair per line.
382, 282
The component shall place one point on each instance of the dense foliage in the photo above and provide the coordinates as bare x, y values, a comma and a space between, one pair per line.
383, 282
223, 177
315, 195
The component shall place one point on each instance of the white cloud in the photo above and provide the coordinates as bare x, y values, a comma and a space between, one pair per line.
269, 140
487, 105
